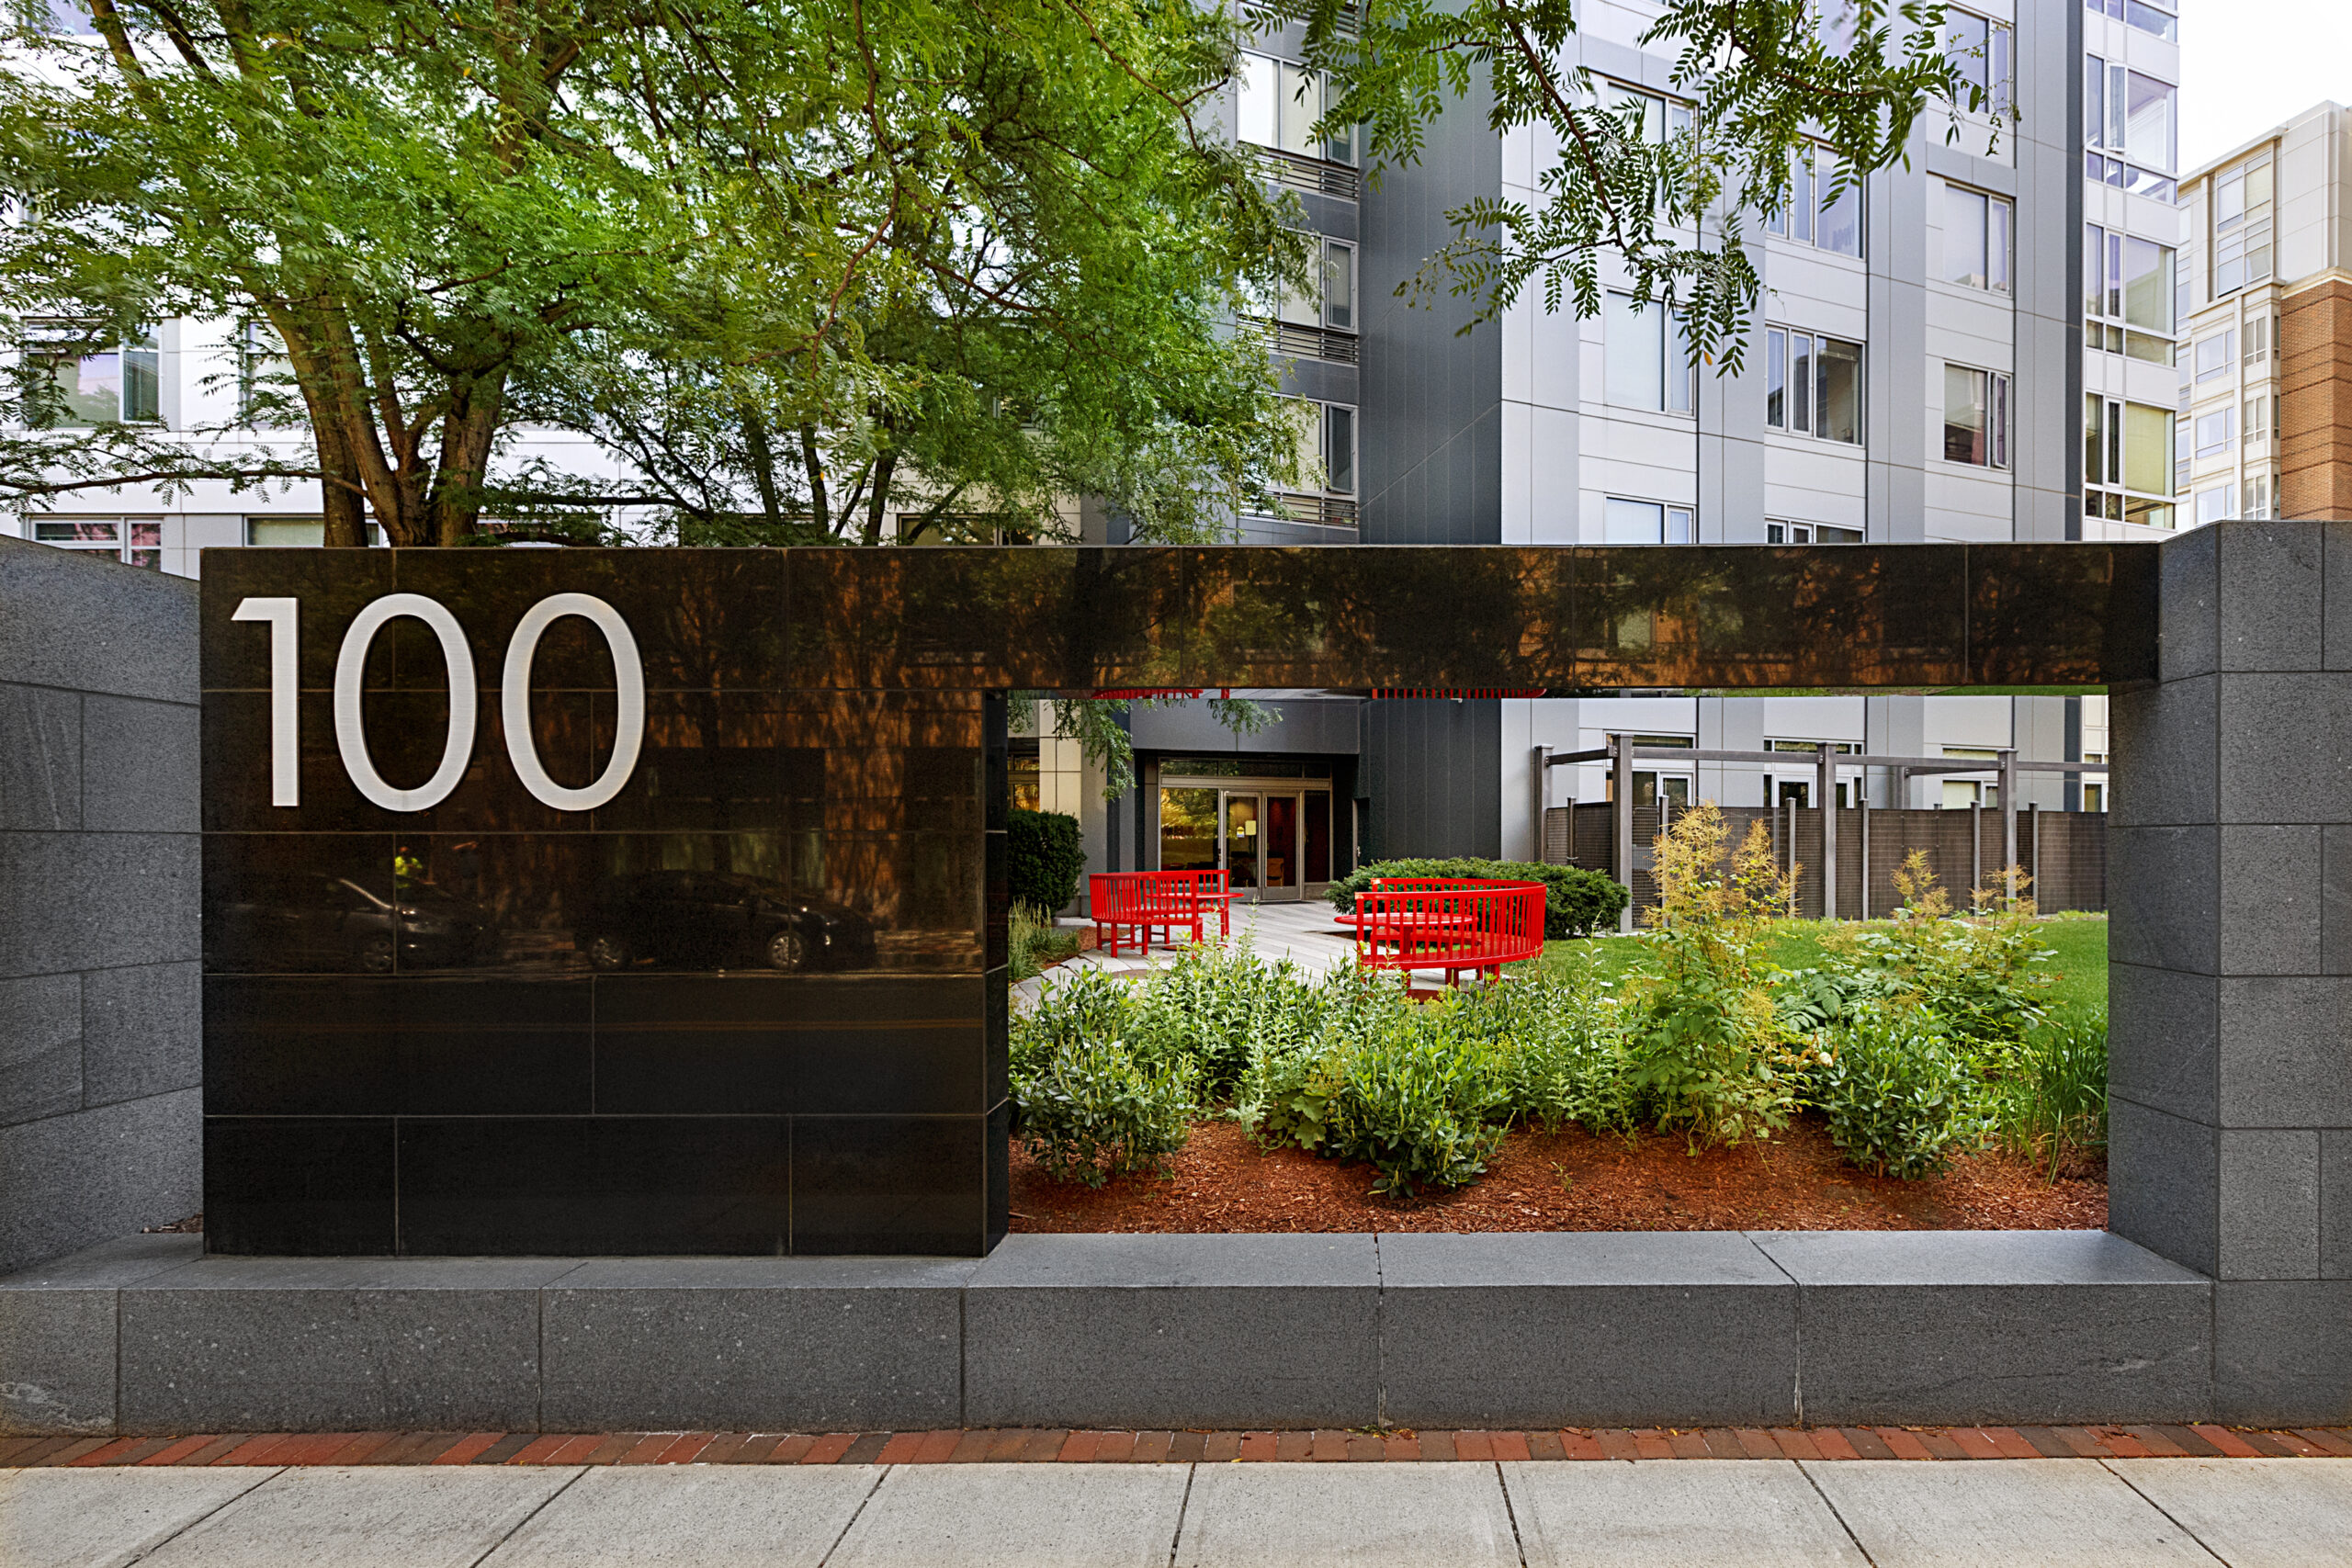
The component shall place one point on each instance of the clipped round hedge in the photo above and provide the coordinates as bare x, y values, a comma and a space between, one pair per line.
1577, 902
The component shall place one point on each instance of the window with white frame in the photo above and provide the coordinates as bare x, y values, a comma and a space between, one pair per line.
97, 380
1978, 48
1659, 119
2216, 504
267, 396
2128, 298
1327, 464
2127, 462
1825, 205
2257, 418
2259, 494
2129, 129
1812, 385
1627, 521
2240, 216
138, 540
1280, 105
1810, 534
2215, 352
1976, 417
1976, 239
2216, 432
2258, 338
2156, 21
298, 532
1645, 356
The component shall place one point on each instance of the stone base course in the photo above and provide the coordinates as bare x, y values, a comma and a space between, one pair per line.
146, 1338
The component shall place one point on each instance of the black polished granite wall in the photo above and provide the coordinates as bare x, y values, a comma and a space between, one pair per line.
755, 1002
492, 1027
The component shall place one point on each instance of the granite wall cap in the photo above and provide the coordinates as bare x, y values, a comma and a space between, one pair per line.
1968, 1258
110, 1265
1091, 1262
87, 624
770, 1274
1439, 1259
363, 1274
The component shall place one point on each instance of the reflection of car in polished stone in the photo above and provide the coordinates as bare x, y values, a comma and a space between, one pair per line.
717, 919
307, 920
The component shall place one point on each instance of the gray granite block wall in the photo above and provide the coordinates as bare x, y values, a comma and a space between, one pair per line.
2230, 836
100, 1030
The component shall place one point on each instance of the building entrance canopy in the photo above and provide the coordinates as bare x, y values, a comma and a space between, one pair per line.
653, 901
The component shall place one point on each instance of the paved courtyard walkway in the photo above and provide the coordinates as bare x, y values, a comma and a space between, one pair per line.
2248, 1513
1304, 933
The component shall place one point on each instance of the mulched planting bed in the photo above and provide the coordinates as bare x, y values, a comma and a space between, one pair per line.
1197, 1447
1568, 1181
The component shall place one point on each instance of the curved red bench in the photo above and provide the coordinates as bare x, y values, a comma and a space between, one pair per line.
1148, 901
1423, 922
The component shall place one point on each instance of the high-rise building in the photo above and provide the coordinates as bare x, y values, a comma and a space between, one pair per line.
2265, 373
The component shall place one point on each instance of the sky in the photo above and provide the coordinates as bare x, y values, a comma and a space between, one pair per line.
2247, 65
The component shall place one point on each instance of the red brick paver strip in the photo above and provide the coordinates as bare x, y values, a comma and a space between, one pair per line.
471, 1446
1545, 1445
826, 1450
1076, 1449
972, 1448
1151, 1448
74, 1449
1509, 1445
144, 1450
1617, 1442
1901, 1444
1973, 1442
1437, 1445
1188, 1448
39, 1448
2010, 1443
357, 1451
2332, 1443
1117, 1447
542, 1449
1044, 1445
2122, 1444
1400, 1446
794, 1449
1687, 1445
1650, 1443
106, 1453
2154, 1440
1789, 1443
261, 1449
724, 1448
648, 1447
865, 1450
11, 1447
1579, 1444
1329, 1447
1867, 1443
1473, 1446
1757, 1443
1940, 1442
2082, 1442
1831, 1443
2267, 1445
1221, 1448
1292, 1448
506, 1448
2189, 1442
2229, 1442
2045, 1441
687, 1448
904, 1447
321, 1449
408, 1447
1364, 1448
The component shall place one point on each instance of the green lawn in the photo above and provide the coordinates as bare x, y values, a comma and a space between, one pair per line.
2079, 963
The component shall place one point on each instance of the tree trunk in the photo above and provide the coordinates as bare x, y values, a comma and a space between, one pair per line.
467, 431
814, 462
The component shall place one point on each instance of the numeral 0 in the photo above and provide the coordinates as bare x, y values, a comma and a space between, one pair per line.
515, 700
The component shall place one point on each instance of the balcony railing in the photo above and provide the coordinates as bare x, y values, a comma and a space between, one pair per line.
1317, 174
1325, 511
1292, 341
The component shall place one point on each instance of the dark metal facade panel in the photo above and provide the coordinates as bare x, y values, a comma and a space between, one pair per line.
1433, 771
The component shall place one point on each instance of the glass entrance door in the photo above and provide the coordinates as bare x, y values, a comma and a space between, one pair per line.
1278, 856
1241, 841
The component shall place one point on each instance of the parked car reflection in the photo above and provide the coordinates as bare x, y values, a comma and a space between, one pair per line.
718, 920
308, 920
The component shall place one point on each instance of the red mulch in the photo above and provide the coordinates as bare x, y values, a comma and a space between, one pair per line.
1568, 1181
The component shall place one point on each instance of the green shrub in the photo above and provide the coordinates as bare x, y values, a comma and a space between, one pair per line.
1217, 1003
1577, 902
1086, 1105
1565, 1058
1043, 857
1416, 1099
2054, 1098
1032, 940
1897, 1093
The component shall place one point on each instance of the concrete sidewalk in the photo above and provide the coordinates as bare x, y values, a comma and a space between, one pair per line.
1759, 1513
1304, 933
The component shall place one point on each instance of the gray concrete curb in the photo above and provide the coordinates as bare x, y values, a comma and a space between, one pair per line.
146, 1335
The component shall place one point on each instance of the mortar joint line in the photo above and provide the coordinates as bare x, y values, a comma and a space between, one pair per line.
1805, 1470
881, 1473
1176, 1540
570, 1483
2160, 1508
1503, 1485
267, 1475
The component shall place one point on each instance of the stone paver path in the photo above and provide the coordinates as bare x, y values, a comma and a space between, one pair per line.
1304, 933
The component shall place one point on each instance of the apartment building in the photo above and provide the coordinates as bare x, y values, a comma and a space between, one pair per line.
2266, 374
1924, 367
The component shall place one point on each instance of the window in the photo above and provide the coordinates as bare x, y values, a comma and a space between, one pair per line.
2258, 338
1648, 356
1280, 104
97, 381
138, 540
2129, 281
2214, 504
2216, 432
2214, 353
2148, 121
2129, 116
1976, 417
2241, 221
1819, 210
1645, 522
295, 533
2127, 448
2257, 418
1976, 239
1335, 270
267, 395
1659, 119
1810, 534
1978, 48
2148, 19
1812, 385
1325, 491
2257, 496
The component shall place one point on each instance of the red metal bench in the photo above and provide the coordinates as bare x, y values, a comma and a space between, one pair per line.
1421, 922
1148, 901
